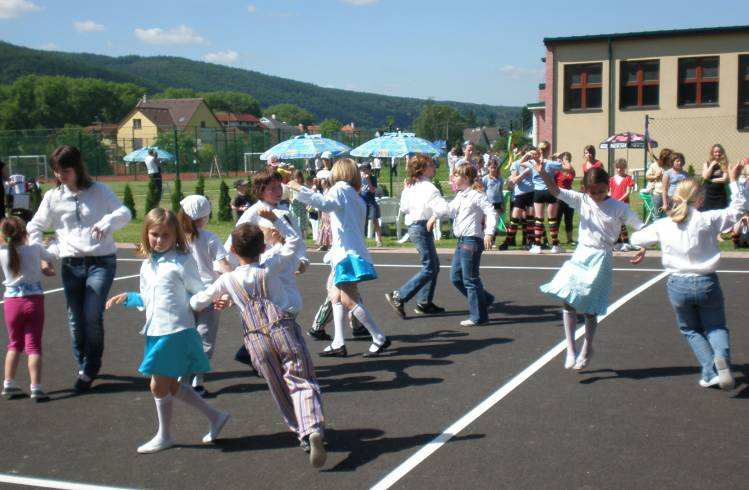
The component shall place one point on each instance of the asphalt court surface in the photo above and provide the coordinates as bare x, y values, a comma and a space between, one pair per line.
634, 418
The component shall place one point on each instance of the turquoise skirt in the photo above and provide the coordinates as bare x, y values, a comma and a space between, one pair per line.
584, 281
174, 355
353, 269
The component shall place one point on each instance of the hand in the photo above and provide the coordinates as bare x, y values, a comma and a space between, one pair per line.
431, 222
488, 242
116, 300
268, 214
98, 232
48, 269
303, 265
736, 169
638, 256
222, 303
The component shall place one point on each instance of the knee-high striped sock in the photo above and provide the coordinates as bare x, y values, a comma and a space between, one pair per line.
512, 230
554, 230
539, 229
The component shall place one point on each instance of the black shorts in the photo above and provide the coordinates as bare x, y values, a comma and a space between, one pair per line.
523, 201
544, 197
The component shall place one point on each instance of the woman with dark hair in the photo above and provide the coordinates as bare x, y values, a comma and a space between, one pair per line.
589, 159
654, 176
83, 215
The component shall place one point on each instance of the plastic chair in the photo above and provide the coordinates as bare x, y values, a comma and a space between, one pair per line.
647, 207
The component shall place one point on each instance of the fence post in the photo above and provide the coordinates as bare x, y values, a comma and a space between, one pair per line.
646, 136
176, 153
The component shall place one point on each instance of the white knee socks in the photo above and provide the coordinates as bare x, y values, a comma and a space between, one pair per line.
569, 320
164, 408
339, 321
362, 314
188, 395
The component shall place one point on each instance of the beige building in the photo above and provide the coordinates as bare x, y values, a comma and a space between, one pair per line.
692, 84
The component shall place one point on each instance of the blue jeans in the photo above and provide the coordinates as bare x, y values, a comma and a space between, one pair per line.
423, 284
86, 281
464, 274
700, 315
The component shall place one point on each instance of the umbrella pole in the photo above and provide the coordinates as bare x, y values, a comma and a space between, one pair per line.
391, 179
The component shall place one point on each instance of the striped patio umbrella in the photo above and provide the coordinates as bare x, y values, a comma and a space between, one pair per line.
140, 155
305, 146
626, 140
396, 145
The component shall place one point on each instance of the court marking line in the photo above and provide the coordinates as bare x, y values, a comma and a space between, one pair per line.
47, 483
57, 290
456, 427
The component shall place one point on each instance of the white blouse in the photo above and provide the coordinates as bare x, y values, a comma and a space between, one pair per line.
73, 214
421, 201
472, 214
691, 247
28, 281
206, 248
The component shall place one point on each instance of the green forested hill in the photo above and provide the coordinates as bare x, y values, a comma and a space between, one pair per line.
160, 72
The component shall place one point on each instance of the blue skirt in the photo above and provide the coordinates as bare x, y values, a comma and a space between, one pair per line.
353, 269
584, 281
174, 355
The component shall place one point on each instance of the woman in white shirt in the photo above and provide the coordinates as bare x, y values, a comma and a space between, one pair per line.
83, 214
690, 252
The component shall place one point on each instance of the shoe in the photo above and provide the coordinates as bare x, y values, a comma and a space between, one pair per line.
378, 349
470, 323
582, 362
317, 453
569, 361
82, 384
319, 334
39, 396
428, 309
216, 427
378, 244
489, 301
331, 351
201, 391
304, 444
714, 381
504, 246
535, 250
725, 377
243, 357
396, 303
12, 392
155, 445
556, 249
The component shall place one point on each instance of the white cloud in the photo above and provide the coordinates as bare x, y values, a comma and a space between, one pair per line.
175, 35
16, 8
50, 47
517, 72
87, 26
228, 57
252, 9
360, 3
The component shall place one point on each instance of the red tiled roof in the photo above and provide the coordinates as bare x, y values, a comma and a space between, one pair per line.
226, 117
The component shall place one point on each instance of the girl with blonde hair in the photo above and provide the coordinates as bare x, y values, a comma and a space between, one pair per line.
690, 252
714, 178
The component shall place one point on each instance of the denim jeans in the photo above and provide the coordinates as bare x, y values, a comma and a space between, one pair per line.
700, 315
464, 274
86, 281
423, 284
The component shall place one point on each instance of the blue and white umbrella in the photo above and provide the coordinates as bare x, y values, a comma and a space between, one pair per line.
396, 145
140, 155
305, 146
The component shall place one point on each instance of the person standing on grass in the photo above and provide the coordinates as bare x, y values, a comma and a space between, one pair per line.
584, 283
521, 208
589, 159
671, 179
714, 178
243, 200
688, 240
153, 167
493, 185
565, 179
543, 199
422, 204
654, 176
620, 187
84, 215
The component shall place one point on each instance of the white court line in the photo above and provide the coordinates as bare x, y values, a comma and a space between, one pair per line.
45, 483
121, 278
427, 450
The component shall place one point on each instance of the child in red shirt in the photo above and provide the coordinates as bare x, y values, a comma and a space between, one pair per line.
620, 186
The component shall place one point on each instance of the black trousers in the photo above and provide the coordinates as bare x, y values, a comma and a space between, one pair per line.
566, 212
158, 182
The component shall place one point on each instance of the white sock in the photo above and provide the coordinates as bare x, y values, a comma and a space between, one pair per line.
362, 314
10, 383
34, 387
188, 395
339, 321
569, 320
591, 322
164, 413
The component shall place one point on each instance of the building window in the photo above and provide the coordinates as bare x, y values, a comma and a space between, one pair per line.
582, 87
136, 124
202, 124
137, 143
698, 81
639, 84
744, 91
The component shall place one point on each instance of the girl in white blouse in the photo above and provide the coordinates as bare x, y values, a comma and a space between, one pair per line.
168, 277
690, 252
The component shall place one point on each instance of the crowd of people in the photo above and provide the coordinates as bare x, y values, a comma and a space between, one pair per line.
188, 276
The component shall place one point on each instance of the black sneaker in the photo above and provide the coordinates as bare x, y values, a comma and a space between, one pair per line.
319, 334
428, 309
82, 385
242, 356
13, 392
504, 246
201, 391
396, 303
39, 396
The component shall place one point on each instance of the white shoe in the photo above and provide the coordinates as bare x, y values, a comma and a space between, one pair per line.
156, 444
216, 427
582, 361
714, 381
556, 249
468, 323
725, 377
535, 250
317, 453
569, 361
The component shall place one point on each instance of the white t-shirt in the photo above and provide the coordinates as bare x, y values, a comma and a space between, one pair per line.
28, 280
152, 165
206, 248
376, 164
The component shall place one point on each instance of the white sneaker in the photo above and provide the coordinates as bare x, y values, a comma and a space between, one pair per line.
569, 361
317, 453
156, 444
714, 381
216, 427
468, 323
556, 249
535, 250
725, 377
582, 361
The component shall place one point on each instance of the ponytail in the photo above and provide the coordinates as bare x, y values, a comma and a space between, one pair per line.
14, 232
686, 194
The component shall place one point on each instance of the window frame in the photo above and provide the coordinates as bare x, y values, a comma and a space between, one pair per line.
742, 108
583, 86
137, 124
698, 81
640, 84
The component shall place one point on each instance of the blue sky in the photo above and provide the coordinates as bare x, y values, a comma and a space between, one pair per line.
471, 50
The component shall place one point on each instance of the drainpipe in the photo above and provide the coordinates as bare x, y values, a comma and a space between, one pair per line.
612, 100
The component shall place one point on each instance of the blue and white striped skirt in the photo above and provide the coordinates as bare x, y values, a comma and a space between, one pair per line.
584, 281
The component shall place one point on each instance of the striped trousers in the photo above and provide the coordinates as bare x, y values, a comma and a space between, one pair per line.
281, 356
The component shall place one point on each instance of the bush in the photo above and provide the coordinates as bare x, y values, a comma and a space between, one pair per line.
200, 186
152, 198
129, 201
224, 203
177, 195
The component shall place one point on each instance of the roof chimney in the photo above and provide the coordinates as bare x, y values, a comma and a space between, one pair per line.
145, 98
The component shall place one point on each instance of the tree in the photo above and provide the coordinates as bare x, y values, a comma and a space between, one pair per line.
491, 120
152, 197
177, 93
389, 123
229, 101
200, 186
330, 126
526, 118
290, 114
165, 141
438, 121
129, 201
177, 195
224, 203
471, 120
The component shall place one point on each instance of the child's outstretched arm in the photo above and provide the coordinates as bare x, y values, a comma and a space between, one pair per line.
203, 299
551, 184
326, 203
291, 244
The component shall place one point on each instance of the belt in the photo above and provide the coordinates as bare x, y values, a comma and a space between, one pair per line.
86, 260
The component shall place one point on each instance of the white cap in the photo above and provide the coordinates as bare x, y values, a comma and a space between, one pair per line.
327, 155
196, 206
